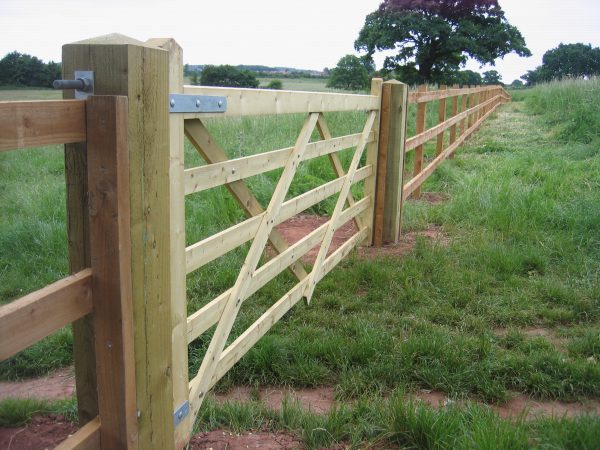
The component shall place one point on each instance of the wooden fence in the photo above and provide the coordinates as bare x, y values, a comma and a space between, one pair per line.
101, 291
129, 247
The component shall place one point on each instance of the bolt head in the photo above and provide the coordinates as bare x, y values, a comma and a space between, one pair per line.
220, 103
172, 103
197, 103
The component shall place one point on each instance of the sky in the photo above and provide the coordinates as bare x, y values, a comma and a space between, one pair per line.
307, 34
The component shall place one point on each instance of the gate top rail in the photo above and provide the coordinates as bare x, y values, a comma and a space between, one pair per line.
256, 102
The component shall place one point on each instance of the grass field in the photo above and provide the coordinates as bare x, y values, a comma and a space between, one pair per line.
523, 226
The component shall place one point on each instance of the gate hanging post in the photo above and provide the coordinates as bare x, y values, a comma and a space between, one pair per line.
390, 165
139, 71
372, 152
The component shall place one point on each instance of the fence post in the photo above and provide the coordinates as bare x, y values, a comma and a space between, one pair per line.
124, 66
463, 122
372, 150
390, 165
110, 254
471, 104
419, 156
439, 148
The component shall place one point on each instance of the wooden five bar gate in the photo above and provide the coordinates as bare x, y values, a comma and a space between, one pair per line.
126, 190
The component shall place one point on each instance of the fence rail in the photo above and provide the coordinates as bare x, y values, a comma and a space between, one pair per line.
101, 290
126, 191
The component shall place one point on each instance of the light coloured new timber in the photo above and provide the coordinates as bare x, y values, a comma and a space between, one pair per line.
390, 165
421, 138
334, 222
212, 153
110, 255
49, 308
39, 123
245, 341
208, 315
418, 180
218, 244
336, 162
255, 102
219, 173
178, 297
86, 438
370, 186
419, 150
125, 66
198, 391
439, 147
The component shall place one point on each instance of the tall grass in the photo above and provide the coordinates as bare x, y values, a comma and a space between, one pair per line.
570, 105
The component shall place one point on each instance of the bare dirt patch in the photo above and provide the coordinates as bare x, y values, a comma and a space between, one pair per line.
533, 332
225, 440
319, 400
57, 385
299, 226
43, 432
433, 198
519, 406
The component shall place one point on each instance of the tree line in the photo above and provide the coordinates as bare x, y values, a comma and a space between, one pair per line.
20, 69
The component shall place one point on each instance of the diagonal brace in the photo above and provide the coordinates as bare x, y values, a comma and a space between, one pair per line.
240, 289
333, 222
336, 162
212, 153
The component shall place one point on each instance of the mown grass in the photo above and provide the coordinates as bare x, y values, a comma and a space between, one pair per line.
523, 221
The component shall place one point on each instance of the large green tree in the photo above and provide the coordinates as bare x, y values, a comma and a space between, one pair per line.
567, 60
19, 69
350, 73
437, 37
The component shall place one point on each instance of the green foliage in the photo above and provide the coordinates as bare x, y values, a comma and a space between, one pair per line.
517, 84
492, 77
436, 38
571, 106
566, 60
402, 422
275, 84
350, 73
18, 69
228, 76
15, 412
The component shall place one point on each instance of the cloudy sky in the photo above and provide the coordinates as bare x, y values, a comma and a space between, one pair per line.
308, 34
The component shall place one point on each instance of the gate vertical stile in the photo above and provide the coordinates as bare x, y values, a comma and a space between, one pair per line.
372, 156
178, 300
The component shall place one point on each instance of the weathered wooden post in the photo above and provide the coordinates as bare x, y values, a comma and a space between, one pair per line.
124, 66
419, 151
390, 165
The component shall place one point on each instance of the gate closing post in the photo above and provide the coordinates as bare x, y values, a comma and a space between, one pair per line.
390, 163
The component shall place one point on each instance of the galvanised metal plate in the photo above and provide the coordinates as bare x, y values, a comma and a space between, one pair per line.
182, 103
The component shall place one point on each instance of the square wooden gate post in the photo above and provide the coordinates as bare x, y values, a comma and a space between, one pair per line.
390, 166
139, 71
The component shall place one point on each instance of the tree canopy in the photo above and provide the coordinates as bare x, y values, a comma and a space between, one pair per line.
228, 76
19, 69
492, 77
567, 60
350, 73
435, 37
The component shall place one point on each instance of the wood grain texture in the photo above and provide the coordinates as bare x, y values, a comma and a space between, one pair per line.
110, 251
439, 147
123, 66
86, 438
39, 123
254, 102
49, 309
177, 235
419, 150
